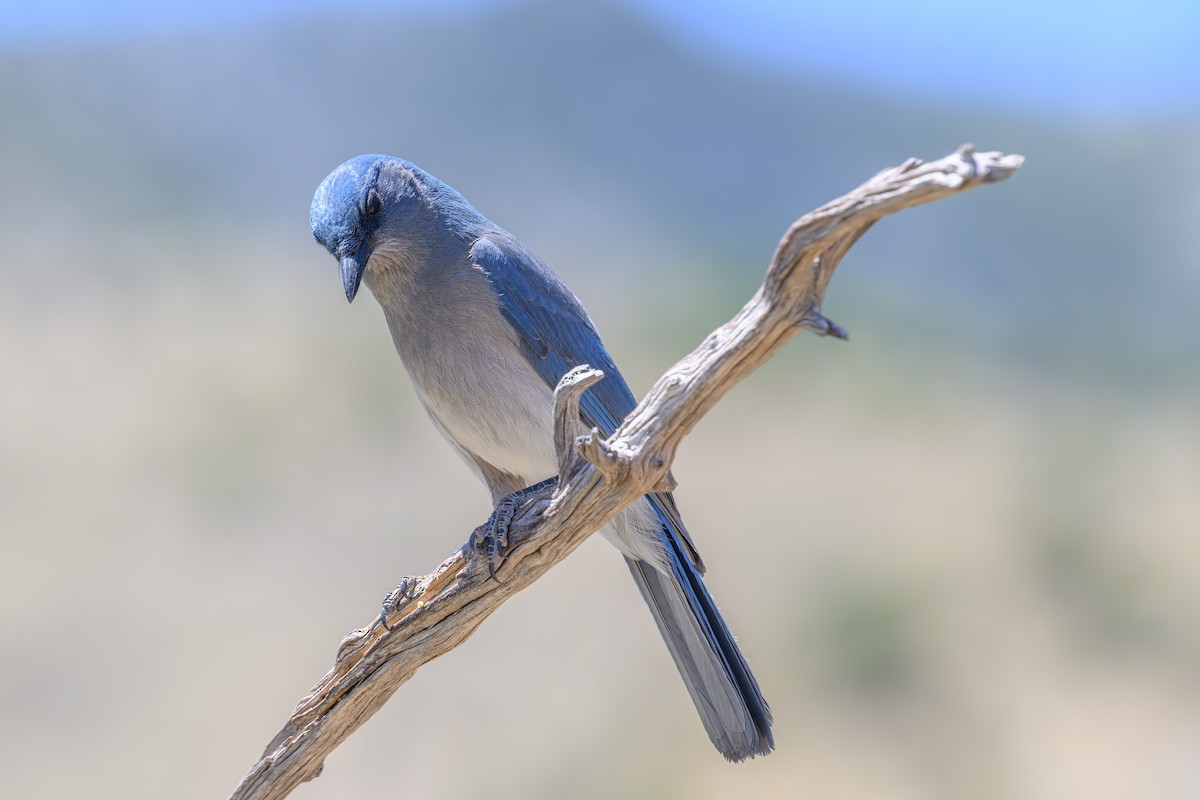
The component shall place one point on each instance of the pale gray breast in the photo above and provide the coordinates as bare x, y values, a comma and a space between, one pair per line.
471, 377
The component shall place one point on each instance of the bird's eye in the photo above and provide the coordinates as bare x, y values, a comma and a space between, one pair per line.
372, 203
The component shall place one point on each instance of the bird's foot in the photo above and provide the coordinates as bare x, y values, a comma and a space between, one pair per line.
492, 536
407, 590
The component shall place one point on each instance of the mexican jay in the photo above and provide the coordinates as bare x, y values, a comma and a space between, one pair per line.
486, 329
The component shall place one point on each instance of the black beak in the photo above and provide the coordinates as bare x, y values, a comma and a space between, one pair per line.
352, 270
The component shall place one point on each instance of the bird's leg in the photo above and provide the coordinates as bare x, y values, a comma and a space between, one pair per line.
407, 590
494, 532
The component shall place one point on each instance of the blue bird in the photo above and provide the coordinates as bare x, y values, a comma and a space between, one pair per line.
486, 330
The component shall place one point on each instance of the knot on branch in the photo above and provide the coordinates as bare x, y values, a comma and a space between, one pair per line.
620, 464
613, 463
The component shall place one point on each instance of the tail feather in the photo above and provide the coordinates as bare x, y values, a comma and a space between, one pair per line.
716, 674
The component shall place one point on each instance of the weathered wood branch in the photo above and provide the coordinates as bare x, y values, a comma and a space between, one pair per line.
598, 477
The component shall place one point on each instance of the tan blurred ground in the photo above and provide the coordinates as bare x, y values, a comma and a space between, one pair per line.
954, 578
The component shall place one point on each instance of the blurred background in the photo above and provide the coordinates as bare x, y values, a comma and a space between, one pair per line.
961, 550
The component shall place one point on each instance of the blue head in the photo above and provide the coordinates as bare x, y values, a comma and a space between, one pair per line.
345, 213
372, 198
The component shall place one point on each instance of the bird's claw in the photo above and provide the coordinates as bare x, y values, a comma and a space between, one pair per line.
407, 590
492, 536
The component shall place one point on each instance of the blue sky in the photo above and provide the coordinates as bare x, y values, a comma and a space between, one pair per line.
1100, 57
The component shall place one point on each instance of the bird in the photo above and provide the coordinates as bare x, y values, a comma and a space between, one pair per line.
485, 329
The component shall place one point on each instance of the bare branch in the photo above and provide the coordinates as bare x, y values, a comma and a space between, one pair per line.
597, 478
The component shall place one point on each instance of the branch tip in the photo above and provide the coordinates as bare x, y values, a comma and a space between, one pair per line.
816, 322
667, 484
567, 396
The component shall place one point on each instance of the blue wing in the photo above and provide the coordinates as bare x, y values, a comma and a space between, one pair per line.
556, 335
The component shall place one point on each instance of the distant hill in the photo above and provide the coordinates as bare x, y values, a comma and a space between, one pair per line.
587, 131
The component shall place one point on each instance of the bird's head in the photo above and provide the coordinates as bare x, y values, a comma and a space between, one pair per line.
355, 205
376, 203
345, 212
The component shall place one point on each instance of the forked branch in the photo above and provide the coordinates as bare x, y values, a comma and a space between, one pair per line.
435, 613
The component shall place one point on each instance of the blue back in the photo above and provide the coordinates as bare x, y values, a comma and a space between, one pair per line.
556, 336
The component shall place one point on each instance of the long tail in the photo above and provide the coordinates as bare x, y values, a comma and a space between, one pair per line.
717, 676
